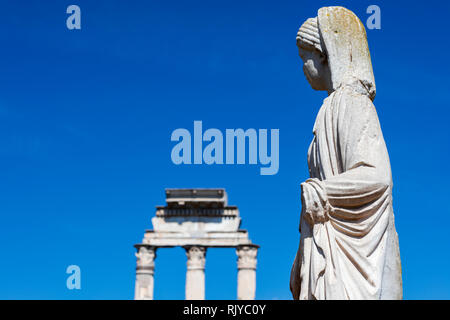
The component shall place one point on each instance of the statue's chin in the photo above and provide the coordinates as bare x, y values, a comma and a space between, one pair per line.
314, 86
312, 83
308, 78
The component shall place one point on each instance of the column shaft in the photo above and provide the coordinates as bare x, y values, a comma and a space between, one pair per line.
145, 268
246, 272
195, 274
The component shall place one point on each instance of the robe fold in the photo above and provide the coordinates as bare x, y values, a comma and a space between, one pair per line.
348, 246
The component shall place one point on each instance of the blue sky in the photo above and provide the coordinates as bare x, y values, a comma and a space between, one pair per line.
86, 118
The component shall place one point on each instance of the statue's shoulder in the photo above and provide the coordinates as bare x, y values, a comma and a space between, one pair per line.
351, 95
350, 104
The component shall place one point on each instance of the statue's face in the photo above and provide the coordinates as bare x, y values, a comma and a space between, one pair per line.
316, 69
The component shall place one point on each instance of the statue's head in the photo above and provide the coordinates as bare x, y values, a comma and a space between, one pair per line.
315, 60
334, 50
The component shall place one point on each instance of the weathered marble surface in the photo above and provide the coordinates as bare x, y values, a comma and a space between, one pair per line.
348, 246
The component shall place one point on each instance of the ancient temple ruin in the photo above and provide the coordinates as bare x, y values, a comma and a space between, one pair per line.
196, 219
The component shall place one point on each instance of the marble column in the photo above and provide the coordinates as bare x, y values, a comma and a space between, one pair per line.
195, 275
246, 271
145, 268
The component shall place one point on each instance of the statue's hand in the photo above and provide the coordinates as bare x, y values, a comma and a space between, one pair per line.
313, 203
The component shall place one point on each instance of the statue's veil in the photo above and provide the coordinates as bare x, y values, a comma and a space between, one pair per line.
345, 41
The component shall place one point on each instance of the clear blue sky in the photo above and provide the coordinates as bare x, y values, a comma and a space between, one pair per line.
86, 118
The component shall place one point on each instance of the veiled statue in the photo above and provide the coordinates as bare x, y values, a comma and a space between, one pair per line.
348, 242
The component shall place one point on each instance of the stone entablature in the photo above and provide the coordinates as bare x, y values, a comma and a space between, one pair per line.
229, 211
196, 198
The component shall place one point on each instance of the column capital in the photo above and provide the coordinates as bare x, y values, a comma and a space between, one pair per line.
145, 262
196, 257
247, 256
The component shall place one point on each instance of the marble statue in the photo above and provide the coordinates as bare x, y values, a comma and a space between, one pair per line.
348, 245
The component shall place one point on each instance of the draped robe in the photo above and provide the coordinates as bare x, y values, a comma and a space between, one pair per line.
351, 251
